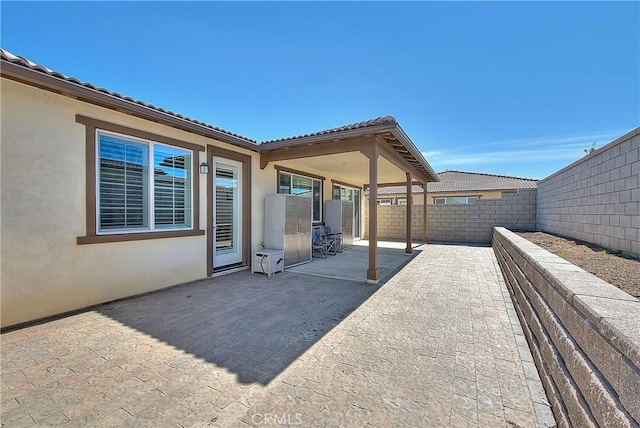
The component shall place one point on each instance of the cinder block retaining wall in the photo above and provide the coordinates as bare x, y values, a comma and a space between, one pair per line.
460, 223
584, 334
597, 198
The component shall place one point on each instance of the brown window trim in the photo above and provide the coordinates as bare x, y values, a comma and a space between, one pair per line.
108, 126
280, 169
343, 184
296, 172
92, 237
101, 239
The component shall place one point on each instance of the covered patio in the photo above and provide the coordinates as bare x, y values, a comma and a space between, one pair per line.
351, 264
367, 154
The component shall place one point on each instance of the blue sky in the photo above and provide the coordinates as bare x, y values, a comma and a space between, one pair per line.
498, 87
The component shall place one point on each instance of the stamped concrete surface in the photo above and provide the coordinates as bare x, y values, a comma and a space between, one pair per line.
353, 262
437, 345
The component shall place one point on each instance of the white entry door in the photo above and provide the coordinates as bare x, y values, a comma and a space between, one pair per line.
227, 212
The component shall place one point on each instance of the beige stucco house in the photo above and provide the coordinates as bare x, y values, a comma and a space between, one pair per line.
105, 197
456, 187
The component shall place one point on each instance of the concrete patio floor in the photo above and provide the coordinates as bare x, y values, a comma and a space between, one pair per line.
353, 262
438, 344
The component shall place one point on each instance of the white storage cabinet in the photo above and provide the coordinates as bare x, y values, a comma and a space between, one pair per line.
287, 227
338, 215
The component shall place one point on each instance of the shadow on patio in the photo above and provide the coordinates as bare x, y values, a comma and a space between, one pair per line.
249, 324
252, 325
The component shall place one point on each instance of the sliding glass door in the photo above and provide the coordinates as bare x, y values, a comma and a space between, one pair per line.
350, 194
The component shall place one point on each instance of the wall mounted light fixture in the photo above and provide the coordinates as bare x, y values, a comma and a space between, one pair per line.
204, 168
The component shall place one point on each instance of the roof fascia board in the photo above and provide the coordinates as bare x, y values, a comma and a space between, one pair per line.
392, 156
332, 136
395, 184
312, 150
93, 96
399, 133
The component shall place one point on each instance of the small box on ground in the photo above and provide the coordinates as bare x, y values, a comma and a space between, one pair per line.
267, 261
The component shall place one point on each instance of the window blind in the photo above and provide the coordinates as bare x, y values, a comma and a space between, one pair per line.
123, 184
226, 184
171, 186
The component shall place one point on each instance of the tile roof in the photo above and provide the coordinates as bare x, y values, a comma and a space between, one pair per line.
385, 127
6, 56
22, 69
397, 190
460, 181
386, 120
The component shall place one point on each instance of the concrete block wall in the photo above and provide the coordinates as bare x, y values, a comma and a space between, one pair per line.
583, 332
475, 222
392, 222
460, 223
597, 198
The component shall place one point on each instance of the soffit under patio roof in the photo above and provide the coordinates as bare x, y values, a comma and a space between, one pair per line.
350, 168
336, 152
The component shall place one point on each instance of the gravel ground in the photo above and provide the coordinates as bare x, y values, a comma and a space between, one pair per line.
616, 269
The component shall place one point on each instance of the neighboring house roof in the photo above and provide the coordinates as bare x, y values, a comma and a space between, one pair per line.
398, 190
460, 181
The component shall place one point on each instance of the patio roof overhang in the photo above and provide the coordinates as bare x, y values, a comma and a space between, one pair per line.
366, 153
343, 153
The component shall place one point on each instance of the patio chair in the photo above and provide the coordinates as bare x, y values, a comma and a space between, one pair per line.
334, 241
319, 244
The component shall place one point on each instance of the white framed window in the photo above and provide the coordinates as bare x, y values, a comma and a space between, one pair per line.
401, 201
142, 185
385, 201
456, 200
294, 184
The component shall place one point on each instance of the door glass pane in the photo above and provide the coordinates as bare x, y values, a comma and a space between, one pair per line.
317, 201
284, 183
356, 214
226, 201
336, 192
